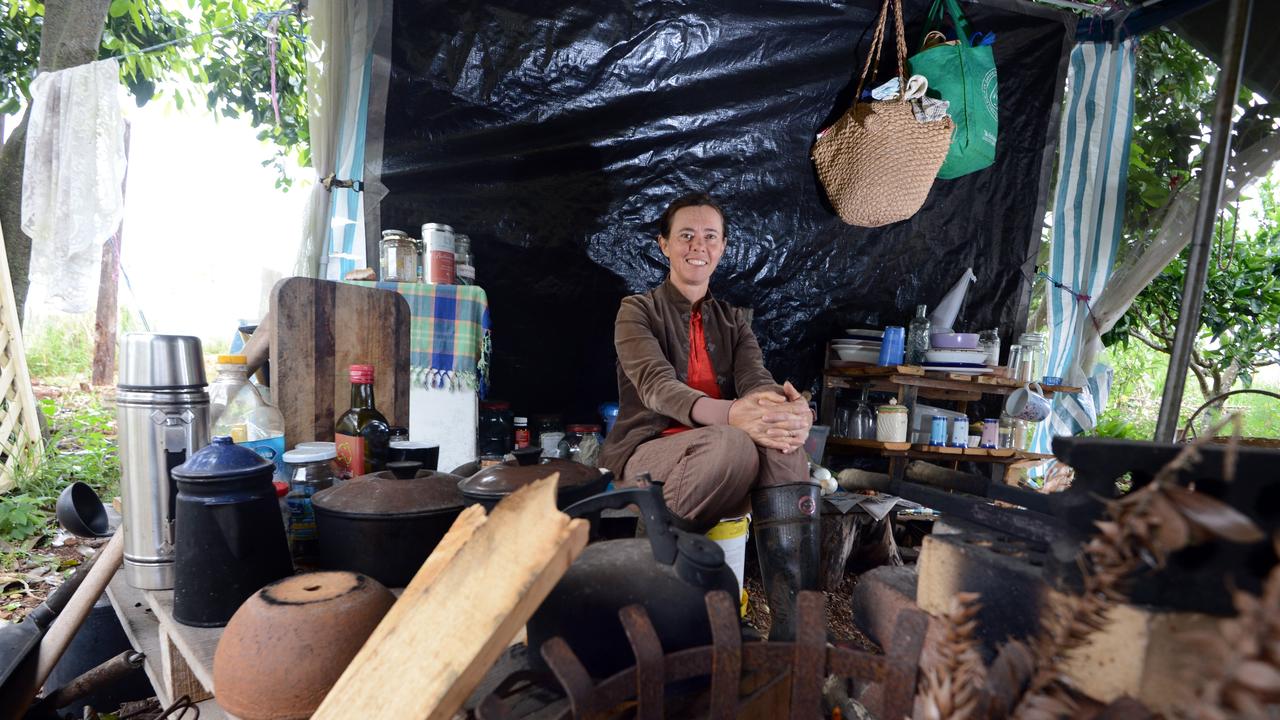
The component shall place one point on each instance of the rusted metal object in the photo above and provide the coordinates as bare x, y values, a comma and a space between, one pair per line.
108, 673
807, 662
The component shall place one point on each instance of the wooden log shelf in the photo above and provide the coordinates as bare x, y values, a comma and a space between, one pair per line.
1005, 456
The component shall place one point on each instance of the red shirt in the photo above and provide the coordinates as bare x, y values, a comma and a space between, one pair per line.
701, 375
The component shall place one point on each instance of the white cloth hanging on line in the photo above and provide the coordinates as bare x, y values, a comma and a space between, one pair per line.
72, 187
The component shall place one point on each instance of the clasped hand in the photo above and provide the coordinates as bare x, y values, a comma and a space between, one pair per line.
773, 420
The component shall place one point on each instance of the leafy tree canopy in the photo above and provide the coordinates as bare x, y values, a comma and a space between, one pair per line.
220, 56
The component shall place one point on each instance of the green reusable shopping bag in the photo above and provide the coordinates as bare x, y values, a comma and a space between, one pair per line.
965, 76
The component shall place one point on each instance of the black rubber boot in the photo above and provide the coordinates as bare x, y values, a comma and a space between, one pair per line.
785, 520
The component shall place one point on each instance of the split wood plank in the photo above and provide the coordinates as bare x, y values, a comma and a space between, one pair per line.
318, 329
851, 370
179, 678
460, 611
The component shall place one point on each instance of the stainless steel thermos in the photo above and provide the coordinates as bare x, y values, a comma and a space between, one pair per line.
163, 414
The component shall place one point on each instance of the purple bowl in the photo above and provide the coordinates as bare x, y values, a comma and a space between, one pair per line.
954, 341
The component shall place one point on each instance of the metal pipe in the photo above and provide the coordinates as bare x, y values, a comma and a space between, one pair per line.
1212, 180
108, 673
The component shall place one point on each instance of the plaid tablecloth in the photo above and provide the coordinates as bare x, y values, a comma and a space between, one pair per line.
448, 335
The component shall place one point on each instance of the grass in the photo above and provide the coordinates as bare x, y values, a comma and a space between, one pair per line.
1134, 404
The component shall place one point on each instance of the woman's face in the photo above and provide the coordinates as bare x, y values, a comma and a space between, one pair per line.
695, 245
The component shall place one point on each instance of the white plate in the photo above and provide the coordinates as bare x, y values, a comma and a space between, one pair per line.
865, 331
864, 355
960, 370
856, 343
941, 355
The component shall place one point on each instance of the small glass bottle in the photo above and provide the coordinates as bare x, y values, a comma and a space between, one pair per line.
463, 261
918, 336
522, 432
989, 341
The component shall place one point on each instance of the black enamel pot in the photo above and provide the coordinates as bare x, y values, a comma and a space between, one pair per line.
385, 524
577, 481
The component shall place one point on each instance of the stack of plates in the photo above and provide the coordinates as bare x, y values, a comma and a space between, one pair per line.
950, 356
862, 346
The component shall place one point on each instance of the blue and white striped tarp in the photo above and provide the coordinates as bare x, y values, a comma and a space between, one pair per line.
1088, 215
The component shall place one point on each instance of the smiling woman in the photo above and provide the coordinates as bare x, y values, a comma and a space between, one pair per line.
699, 411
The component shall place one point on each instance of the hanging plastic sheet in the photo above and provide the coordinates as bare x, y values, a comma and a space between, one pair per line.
554, 135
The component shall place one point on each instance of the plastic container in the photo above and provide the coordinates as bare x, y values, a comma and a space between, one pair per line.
237, 409
731, 535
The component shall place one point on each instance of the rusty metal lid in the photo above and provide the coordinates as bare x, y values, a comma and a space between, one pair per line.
507, 477
381, 494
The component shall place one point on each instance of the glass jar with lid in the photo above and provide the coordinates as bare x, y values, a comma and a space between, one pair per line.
310, 471
582, 443
1035, 354
495, 434
398, 256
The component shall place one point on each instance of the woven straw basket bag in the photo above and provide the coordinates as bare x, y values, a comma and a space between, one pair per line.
877, 162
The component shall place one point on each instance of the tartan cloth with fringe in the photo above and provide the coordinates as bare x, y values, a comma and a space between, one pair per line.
448, 334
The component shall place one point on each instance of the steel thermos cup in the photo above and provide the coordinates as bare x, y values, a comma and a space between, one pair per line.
163, 414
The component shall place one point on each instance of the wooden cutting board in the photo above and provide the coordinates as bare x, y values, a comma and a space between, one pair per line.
319, 329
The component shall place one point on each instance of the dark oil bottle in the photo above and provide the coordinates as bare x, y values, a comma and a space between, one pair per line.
362, 435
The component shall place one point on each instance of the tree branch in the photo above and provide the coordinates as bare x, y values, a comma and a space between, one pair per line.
1139, 269
1151, 343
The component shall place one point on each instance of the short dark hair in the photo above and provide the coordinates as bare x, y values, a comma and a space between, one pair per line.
699, 199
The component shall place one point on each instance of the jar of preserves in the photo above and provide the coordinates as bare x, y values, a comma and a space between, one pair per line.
581, 443
398, 256
496, 432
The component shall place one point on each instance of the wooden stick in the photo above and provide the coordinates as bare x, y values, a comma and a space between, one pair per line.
64, 628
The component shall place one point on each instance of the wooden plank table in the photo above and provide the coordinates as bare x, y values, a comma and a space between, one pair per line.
166, 644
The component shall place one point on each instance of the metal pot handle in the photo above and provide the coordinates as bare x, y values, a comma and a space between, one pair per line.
657, 518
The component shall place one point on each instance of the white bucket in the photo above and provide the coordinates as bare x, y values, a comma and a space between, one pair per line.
731, 535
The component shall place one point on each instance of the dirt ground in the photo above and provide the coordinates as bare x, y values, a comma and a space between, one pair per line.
29, 575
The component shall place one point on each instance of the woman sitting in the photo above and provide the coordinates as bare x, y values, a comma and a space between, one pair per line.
699, 412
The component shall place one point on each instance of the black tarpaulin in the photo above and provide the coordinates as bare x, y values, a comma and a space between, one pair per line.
554, 135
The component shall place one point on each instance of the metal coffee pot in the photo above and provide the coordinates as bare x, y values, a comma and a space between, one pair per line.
162, 412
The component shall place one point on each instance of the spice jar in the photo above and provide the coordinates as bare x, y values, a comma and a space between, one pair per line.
546, 424
311, 472
398, 255
891, 422
1034, 354
463, 262
522, 432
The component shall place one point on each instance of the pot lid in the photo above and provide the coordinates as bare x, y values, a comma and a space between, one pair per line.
222, 459
505, 478
381, 494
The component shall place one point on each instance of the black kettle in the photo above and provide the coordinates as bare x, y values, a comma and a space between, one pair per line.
230, 533
669, 573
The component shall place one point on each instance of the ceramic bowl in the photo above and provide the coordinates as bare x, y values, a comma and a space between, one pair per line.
856, 354
289, 642
953, 341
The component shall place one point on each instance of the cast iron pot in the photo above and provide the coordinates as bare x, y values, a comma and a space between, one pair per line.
669, 574
488, 486
385, 524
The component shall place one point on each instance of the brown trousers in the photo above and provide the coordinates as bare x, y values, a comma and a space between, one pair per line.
708, 473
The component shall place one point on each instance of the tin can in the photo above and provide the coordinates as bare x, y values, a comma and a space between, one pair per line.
938, 431
438, 253
990, 433
960, 432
